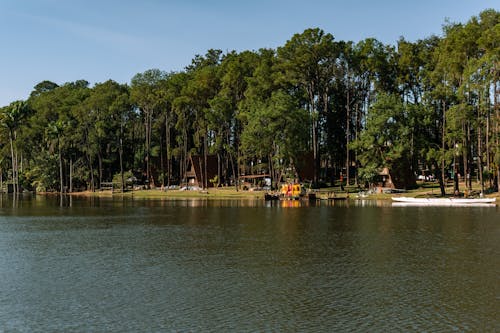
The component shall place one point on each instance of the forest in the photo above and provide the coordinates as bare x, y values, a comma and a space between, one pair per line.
346, 108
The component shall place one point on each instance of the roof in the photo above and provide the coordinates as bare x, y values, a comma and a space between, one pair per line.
197, 162
255, 176
384, 172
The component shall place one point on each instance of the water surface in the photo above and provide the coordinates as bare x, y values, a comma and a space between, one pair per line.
103, 265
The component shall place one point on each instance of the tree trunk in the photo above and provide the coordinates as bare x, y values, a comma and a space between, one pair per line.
11, 136
348, 115
61, 180
205, 157
497, 130
356, 130
17, 167
120, 152
185, 161
464, 152
92, 183
442, 180
469, 159
167, 151
71, 175
148, 115
480, 159
146, 129
99, 165
162, 164
456, 187
275, 176
316, 156
314, 129
202, 175
487, 143
238, 171
219, 174
234, 171
441, 183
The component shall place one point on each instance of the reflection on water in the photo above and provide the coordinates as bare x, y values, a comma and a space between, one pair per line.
29, 200
102, 264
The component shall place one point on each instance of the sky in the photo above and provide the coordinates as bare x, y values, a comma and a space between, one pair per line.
97, 40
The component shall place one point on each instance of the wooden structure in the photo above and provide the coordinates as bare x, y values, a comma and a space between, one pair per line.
389, 181
195, 173
305, 166
106, 186
384, 179
251, 181
395, 179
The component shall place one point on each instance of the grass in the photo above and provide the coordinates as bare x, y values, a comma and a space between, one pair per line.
177, 194
424, 190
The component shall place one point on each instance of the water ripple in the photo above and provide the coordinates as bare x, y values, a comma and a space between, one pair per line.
220, 269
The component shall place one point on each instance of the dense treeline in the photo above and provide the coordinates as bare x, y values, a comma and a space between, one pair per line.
352, 107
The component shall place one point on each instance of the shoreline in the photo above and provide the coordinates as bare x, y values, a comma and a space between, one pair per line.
171, 194
228, 194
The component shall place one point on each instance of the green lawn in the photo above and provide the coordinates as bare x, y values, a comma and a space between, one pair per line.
430, 189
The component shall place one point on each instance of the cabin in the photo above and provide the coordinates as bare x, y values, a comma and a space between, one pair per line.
383, 180
195, 172
305, 166
396, 179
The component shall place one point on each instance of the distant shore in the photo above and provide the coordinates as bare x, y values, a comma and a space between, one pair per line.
232, 193
212, 193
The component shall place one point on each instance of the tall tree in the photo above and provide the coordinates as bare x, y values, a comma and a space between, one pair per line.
226, 108
12, 117
145, 93
306, 61
385, 142
202, 87
108, 108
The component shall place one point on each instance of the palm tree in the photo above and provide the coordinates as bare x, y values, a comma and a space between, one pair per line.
11, 117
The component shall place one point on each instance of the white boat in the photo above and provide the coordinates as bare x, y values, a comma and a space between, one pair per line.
444, 201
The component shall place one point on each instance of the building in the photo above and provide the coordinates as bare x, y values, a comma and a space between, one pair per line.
196, 170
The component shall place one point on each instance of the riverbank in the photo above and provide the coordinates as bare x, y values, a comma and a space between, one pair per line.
425, 190
178, 194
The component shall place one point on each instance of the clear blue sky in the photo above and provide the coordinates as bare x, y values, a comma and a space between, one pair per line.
97, 40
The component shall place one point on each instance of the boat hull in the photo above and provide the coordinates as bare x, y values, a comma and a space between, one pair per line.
271, 197
443, 201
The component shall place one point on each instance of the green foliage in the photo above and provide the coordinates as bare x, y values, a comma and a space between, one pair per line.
386, 140
43, 174
369, 172
421, 105
214, 181
128, 176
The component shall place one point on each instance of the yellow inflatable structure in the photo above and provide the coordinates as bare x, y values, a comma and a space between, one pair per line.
290, 190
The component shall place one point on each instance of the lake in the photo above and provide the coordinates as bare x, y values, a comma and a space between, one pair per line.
104, 265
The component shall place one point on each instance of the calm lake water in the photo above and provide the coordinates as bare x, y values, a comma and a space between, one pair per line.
243, 266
